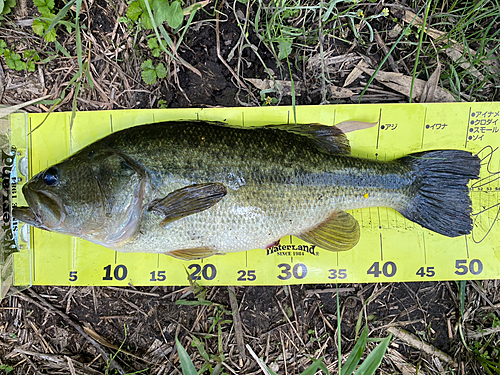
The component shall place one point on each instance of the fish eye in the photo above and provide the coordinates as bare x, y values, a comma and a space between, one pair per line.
51, 176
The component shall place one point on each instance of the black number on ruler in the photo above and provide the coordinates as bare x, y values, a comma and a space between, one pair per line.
389, 269
120, 272
338, 274
295, 271
475, 267
208, 272
73, 275
246, 275
158, 276
429, 272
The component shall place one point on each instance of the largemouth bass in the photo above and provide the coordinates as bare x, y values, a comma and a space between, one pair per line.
195, 189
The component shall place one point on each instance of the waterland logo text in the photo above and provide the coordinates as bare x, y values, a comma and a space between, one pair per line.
292, 250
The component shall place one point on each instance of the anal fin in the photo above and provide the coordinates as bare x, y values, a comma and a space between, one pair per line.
340, 232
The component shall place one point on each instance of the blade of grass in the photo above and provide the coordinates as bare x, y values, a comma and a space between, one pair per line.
403, 33
419, 47
168, 40
462, 297
79, 56
59, 16
317, 364
372, 362
186, 363
356, 353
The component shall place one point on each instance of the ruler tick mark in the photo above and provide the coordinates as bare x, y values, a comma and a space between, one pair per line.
379, 222
381, 249
425, 251
378, 130
423, 128
116, 256
466, 246
111, 122
74, 252
70, 136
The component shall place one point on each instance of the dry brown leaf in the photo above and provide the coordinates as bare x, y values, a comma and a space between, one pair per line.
355, 73
402, 83
351, 126
268, 84
315, 61
286, 87
101, 340
430, 87
340, 92
406, 368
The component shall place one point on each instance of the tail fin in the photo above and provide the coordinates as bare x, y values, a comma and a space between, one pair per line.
441, 199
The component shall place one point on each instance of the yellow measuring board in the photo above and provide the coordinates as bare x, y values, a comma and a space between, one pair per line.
391, 248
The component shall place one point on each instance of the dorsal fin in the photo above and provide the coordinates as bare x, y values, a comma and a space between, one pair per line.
328, 139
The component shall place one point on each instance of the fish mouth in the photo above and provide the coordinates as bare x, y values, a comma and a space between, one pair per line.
44, 211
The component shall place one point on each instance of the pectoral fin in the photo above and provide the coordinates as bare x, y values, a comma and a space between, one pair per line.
192, 254
188, 201
339, 233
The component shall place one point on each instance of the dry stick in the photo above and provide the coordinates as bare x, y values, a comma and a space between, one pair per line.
289, 322
238, 329
240, 82
259, 361
132, 291
311, 292
382, 45
284, 352
70, 365
293, 308
2, 81
51, 309
414, 341
322, 56
26, 358
481, 293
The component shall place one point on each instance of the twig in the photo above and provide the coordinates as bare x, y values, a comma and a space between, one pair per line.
219, 55
133, 291
259, 361
238, 330
312, 292
481, 293
382, 45
414, 341
51, 309
482, 333
289, 322
2, 82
